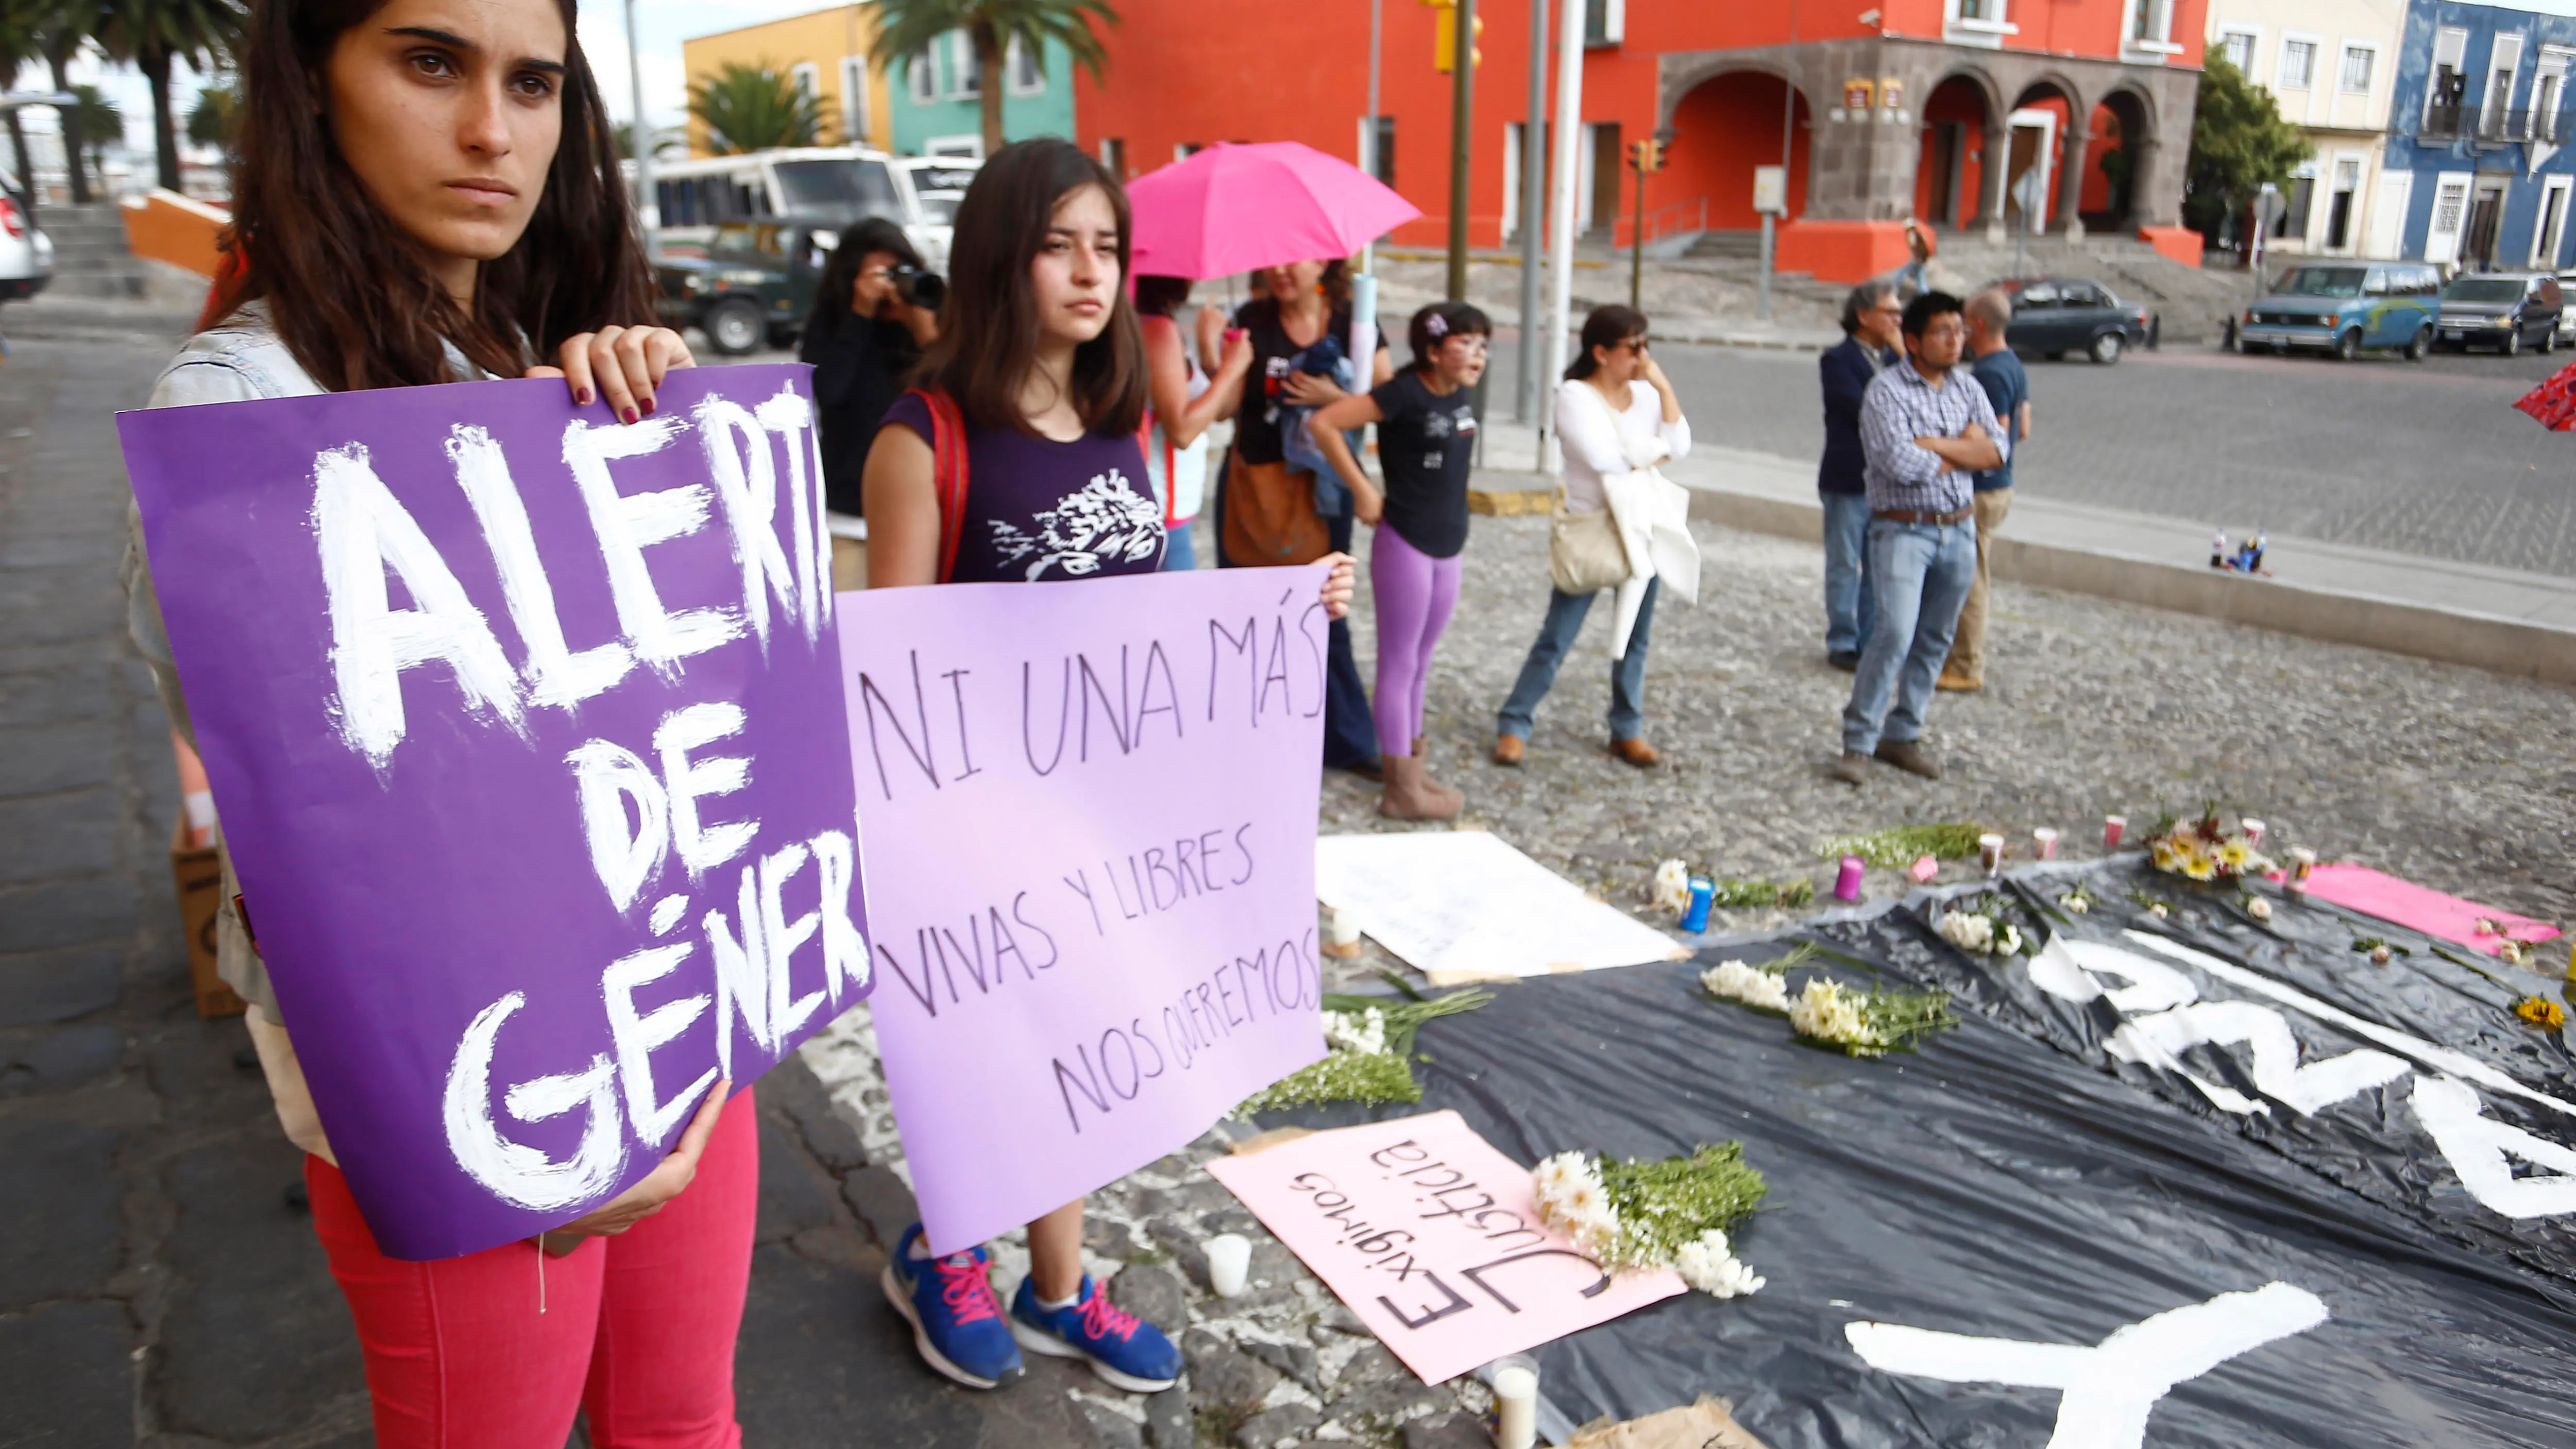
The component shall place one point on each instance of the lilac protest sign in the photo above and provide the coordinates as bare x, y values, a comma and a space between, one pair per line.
526, 731
1094, 882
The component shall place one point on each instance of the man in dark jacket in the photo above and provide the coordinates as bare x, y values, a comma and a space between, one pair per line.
1871, 316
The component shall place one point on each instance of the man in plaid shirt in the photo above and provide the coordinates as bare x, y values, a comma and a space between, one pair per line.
1926, 429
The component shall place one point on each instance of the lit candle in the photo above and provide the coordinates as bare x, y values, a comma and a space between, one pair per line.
2045, 839
1229, 1260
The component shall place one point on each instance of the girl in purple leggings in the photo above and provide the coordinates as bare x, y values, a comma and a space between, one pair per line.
1426, 438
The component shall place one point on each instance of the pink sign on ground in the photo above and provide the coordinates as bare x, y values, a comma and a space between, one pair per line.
2420, 908
1432, 1237
1094, 809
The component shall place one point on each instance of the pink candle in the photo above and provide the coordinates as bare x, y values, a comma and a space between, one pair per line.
2112, 828
1847, 882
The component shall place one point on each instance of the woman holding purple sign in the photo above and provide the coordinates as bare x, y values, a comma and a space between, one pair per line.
1019, 458
456, 214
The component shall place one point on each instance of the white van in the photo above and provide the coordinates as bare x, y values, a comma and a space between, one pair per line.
819, 184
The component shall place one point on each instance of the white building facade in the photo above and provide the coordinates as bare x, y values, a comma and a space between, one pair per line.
2331, 69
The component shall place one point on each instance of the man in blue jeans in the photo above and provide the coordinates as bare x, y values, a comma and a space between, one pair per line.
1870, 318
1926, 429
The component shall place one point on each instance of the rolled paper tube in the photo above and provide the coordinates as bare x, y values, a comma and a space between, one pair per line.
1847, 880
1229, 1260
2113, 826
1515, 1407
1990, 853
2254, 830
2045, 838
1923, 869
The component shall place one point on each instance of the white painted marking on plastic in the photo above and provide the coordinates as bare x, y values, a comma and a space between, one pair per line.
2480, 1149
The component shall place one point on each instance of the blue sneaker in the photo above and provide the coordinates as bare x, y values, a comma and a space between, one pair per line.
956, 1320
1125, 1350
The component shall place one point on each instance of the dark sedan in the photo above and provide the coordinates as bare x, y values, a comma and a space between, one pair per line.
2503, 310
753, 286
2054, 316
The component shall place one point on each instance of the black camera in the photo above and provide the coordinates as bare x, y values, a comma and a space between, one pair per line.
918, 288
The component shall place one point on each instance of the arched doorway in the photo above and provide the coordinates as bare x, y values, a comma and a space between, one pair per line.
2121, 138
2035, 173
1723, 128
1949, 178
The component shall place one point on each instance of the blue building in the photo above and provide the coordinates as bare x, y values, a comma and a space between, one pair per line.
939, 109
2479, 130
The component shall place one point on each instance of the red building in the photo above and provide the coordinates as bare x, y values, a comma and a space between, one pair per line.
1880, 114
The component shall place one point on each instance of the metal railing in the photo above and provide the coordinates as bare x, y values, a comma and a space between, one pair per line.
2446, 122
1663, 221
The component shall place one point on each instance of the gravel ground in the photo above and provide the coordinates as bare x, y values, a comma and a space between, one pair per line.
2453, 777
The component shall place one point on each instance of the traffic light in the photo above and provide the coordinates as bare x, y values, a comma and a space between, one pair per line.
1646, 155
1444, 41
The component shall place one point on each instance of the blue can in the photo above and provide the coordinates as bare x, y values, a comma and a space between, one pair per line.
1702, 891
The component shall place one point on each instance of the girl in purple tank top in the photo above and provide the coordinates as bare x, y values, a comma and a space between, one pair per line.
1040, 353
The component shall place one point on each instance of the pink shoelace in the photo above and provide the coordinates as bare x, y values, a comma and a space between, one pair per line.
1101, 1318
965, 1289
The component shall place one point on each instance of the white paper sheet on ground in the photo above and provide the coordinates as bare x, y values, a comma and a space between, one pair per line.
1457, 905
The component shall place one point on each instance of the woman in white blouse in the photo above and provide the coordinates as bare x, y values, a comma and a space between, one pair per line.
1615, 412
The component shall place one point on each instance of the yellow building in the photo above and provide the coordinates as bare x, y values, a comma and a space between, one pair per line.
827, 54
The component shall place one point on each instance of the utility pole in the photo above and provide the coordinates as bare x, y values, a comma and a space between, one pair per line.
1533, 196
1462, 128
1369, 129
1560, 218
1645, 157
648, 207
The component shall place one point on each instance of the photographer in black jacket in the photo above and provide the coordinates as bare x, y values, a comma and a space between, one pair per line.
875, 309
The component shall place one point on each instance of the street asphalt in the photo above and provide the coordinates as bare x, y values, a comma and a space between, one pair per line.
2425, 458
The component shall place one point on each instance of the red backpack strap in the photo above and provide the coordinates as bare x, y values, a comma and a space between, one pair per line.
948, 472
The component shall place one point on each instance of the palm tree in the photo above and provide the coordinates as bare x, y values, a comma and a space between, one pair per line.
64, 26
20, 44
215, 120
664, 142
92, 123
154, 34
907, 29
753, 108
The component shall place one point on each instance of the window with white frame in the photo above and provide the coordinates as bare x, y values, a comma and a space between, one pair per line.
2504, 65
1020, 63
1990, 12
2238, 47
2549, 93
921, 74
806, 79
965, 67
2360, 64
2298, 64
854, 98
1977, 22
2150, 21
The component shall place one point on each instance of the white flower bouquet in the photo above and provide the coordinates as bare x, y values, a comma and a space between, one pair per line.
1828, 1013
1982, 931
1672, 1213
1370, 1056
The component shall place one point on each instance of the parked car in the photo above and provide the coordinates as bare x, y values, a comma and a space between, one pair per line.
2502, 310
754, 285
26, 253
2054, 316
932, 187
2345, 308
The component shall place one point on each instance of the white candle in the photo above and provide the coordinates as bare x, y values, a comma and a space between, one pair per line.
1990, 853
1346, 927
1515, 1408
1229, 1259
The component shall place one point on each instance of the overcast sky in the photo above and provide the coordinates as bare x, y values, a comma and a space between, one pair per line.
664, 24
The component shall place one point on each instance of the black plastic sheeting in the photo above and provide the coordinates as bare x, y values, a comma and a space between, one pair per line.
2374, 1140
1992, 1185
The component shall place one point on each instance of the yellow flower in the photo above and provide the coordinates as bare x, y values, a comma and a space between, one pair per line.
2166, 858
2198, 866
2235, 854
2541, 1012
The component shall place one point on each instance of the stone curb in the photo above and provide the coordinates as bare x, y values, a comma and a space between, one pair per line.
2501, 646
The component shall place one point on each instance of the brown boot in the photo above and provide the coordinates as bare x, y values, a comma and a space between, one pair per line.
1450, 799
1405, 797
1507, 749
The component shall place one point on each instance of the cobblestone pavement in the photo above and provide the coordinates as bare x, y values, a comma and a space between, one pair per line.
159, 1285
2421, 458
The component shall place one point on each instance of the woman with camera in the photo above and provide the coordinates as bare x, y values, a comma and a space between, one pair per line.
875, 310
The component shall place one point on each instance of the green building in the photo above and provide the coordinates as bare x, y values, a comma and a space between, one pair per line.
938, 107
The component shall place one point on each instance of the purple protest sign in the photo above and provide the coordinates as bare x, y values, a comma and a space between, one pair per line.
1094, 886
526, 731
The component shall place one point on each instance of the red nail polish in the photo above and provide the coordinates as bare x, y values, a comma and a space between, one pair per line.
581, 397
629, 414
648, 407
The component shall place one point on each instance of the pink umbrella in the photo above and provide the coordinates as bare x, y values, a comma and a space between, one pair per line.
1234, 208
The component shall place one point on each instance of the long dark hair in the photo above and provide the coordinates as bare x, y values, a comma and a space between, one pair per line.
1606, 327
841, 273
1439, 322
349, 292
988, 336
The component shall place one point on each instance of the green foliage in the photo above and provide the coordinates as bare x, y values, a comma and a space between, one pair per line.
754, 108
1667, 1203
154, 35
215, 120
1742, 894
1359, 1076
1901, 846
664, 142
93, 121
2238, 144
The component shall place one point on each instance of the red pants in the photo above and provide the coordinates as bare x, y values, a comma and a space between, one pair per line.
637, 1329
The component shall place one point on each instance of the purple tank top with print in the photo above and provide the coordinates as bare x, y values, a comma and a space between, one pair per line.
1037, 509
